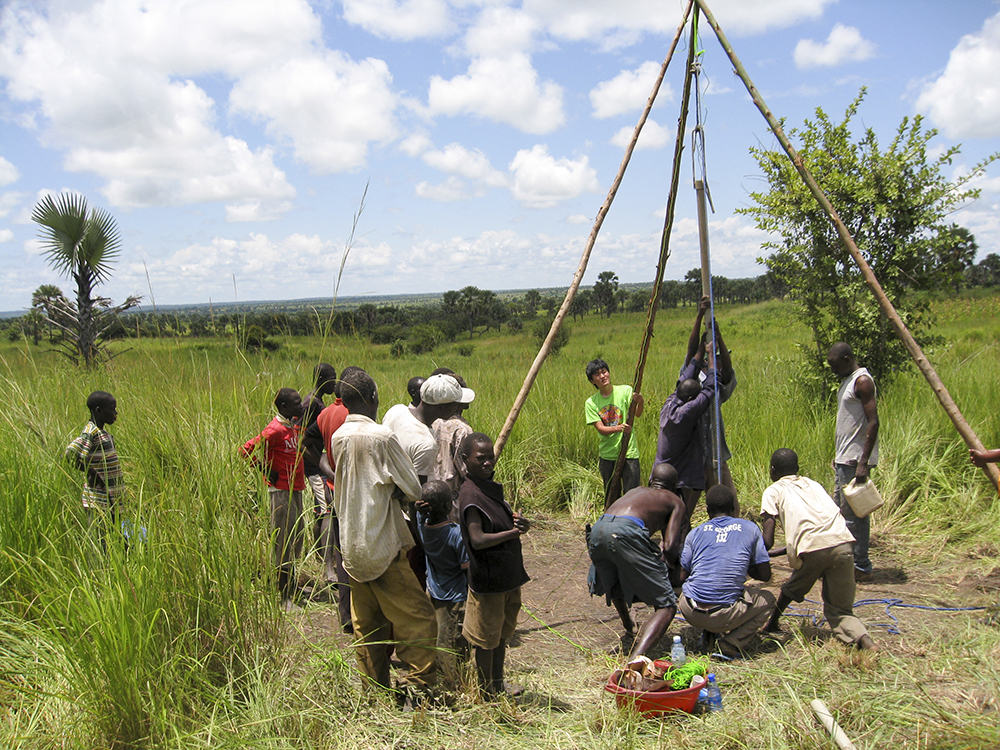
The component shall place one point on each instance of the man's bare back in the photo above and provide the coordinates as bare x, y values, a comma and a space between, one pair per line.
657, 506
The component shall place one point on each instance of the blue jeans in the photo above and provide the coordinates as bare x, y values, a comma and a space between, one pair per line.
859, 527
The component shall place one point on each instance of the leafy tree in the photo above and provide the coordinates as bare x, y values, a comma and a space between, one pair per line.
605, 292
986, 272
638, 301
691, 288
532, 301
423, 337
893, 201
82, 243
49, 303
541, 331
957, 253
670, 293
582, 302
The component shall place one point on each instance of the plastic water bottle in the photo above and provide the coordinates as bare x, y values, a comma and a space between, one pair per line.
714, 694
677, 655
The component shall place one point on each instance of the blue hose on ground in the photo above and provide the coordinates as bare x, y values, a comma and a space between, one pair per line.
891, 627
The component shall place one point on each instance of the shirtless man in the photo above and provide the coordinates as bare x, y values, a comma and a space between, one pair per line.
628, 565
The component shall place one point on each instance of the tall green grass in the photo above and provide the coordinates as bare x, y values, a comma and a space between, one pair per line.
179, 643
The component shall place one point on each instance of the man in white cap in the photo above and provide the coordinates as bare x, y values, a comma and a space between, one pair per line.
412, 427
449, 432
412, 424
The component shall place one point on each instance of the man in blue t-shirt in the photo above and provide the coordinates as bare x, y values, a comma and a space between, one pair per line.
717, 558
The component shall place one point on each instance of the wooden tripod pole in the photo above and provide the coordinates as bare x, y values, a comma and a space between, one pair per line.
923, 364
615, 485
543, 353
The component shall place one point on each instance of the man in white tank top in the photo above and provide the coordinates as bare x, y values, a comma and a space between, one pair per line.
856, 444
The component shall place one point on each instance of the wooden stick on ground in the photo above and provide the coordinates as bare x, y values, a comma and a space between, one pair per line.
830, 724
543, 353
923, 364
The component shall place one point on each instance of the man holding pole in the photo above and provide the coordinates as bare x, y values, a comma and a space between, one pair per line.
607, 410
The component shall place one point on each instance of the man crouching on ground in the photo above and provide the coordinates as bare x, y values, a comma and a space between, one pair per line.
628, 566
819, 546
717, 558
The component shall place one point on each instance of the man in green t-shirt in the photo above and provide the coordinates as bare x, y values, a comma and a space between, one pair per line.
607, 410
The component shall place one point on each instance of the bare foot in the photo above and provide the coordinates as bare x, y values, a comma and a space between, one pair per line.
865, 643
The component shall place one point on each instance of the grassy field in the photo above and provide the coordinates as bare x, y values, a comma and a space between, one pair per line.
180, 643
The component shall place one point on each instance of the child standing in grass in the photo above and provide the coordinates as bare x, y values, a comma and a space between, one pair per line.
284, 472
93, 453
492, 534
447, 576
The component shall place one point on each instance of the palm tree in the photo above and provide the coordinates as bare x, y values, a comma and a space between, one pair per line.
82, 243
49, 303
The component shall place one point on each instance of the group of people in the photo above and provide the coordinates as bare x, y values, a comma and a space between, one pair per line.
710, 565
424, 552
416, 536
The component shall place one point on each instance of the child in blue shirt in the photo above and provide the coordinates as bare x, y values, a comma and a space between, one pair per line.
447, 576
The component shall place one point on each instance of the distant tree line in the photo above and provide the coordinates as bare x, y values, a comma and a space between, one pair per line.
461, 314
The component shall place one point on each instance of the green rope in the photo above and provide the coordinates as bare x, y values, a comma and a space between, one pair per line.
682, 676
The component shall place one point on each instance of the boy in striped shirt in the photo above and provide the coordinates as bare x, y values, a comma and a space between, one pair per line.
93, 452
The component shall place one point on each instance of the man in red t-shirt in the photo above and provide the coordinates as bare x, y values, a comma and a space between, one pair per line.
283, 469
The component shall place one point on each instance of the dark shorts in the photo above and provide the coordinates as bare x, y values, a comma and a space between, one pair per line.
631, 473
626, 563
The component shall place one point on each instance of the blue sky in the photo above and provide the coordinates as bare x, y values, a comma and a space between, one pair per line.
233, 139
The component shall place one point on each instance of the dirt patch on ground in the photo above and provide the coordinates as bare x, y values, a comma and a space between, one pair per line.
562, 626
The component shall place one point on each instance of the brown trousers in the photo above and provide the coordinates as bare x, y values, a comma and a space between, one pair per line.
393, 608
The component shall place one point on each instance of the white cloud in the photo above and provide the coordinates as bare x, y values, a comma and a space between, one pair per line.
474, 165
500, 31
964, 101
110, 85
504, 90
492, 249
452, 189
593, 20
329, 106
257, 262
6, 235
257, 210
628, 91
653, 135
415, 144
213, 169
8, 172
579, 219
400, 19
541, 181
8, 202
845, 44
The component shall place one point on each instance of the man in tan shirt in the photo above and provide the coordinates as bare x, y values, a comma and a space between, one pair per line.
818, 545
373, 476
